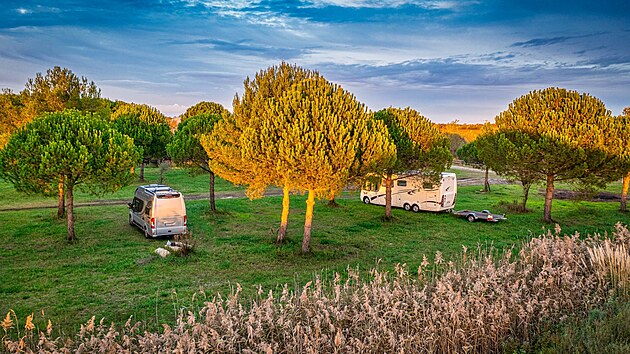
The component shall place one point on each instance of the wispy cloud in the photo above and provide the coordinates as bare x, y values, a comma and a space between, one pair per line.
537, 42
246, 47
427, 4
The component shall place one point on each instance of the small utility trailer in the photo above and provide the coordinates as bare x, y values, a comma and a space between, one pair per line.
484, 215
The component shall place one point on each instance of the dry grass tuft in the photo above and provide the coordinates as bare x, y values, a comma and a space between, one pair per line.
473, 305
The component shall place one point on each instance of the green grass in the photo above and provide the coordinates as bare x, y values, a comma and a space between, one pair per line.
177, 178
112, 271
605, 330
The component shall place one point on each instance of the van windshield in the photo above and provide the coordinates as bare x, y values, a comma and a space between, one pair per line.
170, 206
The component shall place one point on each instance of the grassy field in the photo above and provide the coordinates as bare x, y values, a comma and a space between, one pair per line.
177, 178
112, 271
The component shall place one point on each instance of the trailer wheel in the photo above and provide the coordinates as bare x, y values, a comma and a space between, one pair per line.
415, 208
407, 206
471, 218
366, 200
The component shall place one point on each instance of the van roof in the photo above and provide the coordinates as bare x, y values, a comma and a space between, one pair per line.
158, 189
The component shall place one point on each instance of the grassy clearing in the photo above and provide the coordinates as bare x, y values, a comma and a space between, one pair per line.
177, 178
112, 271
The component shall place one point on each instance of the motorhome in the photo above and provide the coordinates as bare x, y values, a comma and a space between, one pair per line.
158, 210
414, 193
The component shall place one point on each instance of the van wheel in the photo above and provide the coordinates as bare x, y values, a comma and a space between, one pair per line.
366, 200
415, 208
407, 206
471, 218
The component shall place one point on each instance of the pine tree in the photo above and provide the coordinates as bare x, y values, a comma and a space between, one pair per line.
204, 107
566, 131
185, 148
471, 155
619, 145
420, 147
237, 151
81, 149
323, 138
59, 89
147, 127
293, 129
505, 153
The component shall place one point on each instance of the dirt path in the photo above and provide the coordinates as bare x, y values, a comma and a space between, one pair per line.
218, 195
231, 195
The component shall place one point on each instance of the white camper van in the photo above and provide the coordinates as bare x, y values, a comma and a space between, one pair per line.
158, 210
413, 193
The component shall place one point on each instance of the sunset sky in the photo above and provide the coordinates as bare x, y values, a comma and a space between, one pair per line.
448, 59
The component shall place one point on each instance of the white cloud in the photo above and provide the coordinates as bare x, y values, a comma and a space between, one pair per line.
379, 4
224, 4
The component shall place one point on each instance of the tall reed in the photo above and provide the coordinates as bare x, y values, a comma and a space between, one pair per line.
475, 304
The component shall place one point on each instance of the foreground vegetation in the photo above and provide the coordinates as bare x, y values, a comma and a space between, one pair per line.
479, 303
112, 272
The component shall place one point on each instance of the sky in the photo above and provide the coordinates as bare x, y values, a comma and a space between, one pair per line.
462, 60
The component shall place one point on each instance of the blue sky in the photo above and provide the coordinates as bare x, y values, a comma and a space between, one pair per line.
448, 59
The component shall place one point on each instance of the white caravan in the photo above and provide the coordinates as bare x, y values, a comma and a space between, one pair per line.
158, 210
413, 193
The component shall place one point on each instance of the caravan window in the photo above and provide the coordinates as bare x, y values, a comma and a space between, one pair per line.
428, 186
401, 183
370, 186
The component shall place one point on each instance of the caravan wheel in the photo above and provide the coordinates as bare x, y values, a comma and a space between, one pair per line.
415, 208
366, 200
407, 206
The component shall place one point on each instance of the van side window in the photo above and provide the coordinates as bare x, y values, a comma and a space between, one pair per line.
136, 205
401, 183
147, 209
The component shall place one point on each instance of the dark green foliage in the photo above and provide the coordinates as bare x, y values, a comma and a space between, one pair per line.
145, 125
61, 89
186, 150
419, 144
505, 153
78, 150
469, 153
562, 135
457, 141
420, 148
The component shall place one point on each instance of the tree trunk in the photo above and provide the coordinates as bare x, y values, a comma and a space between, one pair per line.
624, 191
285, 215
142, 171
70, 212
61, 208
486, 182
331, 199
310, 202
388, 196
526, 187
213, 207
548, 199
